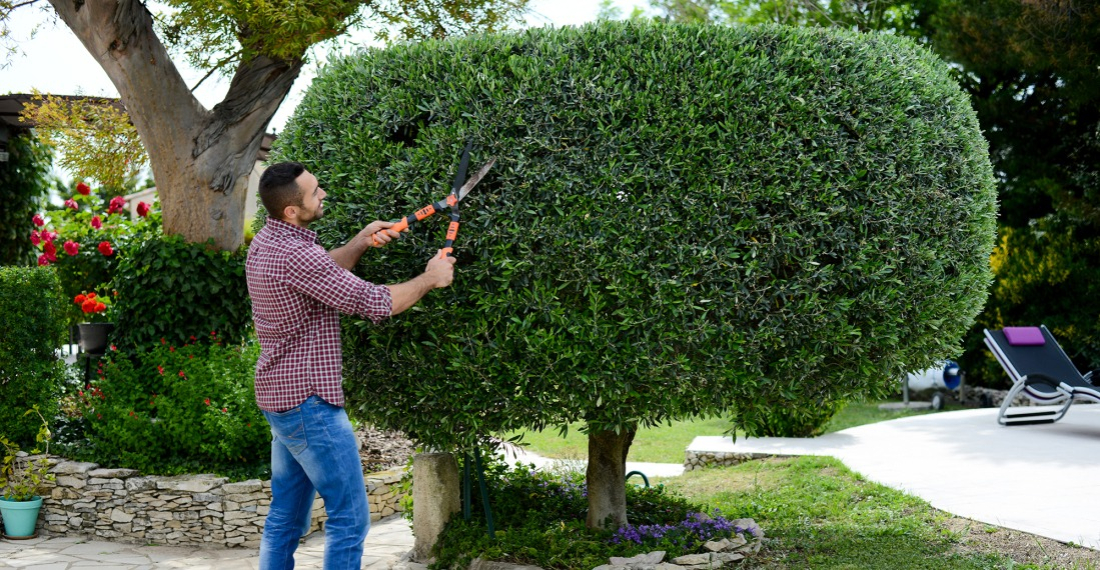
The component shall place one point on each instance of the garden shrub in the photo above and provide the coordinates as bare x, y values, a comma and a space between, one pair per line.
31, 371
169, 409
539, 520
24, 185
681, 220
169, 288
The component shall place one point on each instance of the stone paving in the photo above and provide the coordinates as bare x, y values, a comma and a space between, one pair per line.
389, 540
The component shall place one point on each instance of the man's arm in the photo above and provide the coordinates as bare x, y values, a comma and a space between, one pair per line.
439, 273
348, 255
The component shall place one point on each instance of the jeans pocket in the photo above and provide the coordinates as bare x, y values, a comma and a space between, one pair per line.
289, 428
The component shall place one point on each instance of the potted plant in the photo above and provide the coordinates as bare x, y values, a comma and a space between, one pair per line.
20, 477
97, 311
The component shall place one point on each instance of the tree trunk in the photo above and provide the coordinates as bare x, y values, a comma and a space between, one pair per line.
201, 159
606, 478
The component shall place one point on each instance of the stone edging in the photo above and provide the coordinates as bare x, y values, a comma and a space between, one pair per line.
196, 510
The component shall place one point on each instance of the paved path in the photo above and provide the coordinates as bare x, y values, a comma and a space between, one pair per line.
1041, 479
387, 542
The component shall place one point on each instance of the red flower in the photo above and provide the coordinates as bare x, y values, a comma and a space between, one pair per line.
96, 223
224, 410
70, 203
83, 189
48, 236
171, 349
42, 260
79, 299
142, 209
118, 203
100, 307
162, 341
91, 295
38, 221
113, 347
88, 306
50, 250
182, 375
161, 370
206, 401
105, 248
71, 247
35, 237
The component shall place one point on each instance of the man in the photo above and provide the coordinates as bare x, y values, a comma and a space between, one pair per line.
298, 290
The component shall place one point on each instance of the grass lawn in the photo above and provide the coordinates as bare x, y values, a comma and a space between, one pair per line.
666, 443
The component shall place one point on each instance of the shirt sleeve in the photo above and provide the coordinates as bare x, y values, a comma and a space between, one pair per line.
312, 272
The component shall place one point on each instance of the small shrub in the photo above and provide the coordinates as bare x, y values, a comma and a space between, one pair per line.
540, 520
173, 409
32, 318
169, 288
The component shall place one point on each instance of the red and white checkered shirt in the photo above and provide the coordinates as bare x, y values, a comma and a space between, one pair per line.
298, 292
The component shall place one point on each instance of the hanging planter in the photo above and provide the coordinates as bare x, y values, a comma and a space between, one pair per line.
93, 337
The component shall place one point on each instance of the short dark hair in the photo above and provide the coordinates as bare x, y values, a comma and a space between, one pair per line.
279, 187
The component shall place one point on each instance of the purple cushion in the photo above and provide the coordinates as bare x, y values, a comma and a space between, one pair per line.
1024, 336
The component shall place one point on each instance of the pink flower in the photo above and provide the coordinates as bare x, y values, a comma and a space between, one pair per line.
142, 209
42, 260
83, 189
206, 401
50, 250
118, 203
71, 247
70, 203
38, 220
48, 236
96, 223
105, 248
35, 238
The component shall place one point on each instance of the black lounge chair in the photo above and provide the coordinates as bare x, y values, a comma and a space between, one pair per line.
1039, 369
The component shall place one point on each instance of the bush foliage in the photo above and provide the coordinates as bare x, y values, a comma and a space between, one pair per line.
169, 409
170, 289
32, 317
682, 219
24, 184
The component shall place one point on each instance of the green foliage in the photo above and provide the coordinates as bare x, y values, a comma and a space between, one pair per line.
24, 183
539, 520
169, 409
20, 477
33, 321
682, 220
170, 289
1047, 273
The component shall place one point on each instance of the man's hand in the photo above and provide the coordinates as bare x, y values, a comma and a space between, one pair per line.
441, 269
377, 234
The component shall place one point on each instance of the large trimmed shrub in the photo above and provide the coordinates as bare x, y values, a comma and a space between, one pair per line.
681, 220
24, 185
31, 371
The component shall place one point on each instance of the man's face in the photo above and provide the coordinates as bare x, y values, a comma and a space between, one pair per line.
312, 207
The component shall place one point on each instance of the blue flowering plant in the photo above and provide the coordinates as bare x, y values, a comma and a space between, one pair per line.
683, 537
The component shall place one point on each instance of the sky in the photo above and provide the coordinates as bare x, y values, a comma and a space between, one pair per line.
54, 61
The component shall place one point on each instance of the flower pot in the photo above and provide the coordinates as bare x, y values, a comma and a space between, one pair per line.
20, 517
93, 337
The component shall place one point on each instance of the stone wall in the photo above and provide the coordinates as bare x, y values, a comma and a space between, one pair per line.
123, 505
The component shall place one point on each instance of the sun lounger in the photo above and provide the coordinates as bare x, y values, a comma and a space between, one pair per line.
1040, 370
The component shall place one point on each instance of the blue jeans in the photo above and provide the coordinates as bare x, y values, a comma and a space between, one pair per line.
313, 448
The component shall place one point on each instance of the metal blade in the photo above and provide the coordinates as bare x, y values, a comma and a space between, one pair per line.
460, 175
469, 185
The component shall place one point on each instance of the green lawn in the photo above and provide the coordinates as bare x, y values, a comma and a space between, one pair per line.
666, 443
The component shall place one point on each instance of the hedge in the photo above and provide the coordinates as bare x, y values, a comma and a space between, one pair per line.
682, 220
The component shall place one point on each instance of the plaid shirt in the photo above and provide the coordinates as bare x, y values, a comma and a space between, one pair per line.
298, 292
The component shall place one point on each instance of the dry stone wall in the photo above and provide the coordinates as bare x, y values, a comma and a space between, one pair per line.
123, 505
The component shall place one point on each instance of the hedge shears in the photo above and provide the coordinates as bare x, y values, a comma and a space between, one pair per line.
459, 189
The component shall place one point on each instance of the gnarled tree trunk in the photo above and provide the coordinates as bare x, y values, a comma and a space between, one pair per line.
606, 478
201, 158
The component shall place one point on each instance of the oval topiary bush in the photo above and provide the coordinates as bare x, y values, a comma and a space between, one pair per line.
681, 220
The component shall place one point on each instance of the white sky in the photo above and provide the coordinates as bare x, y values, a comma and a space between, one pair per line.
54, 61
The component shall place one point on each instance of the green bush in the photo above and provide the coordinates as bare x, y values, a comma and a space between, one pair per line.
681, 220
170, 289
539, 520
171, 409
24, 184
31, 372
